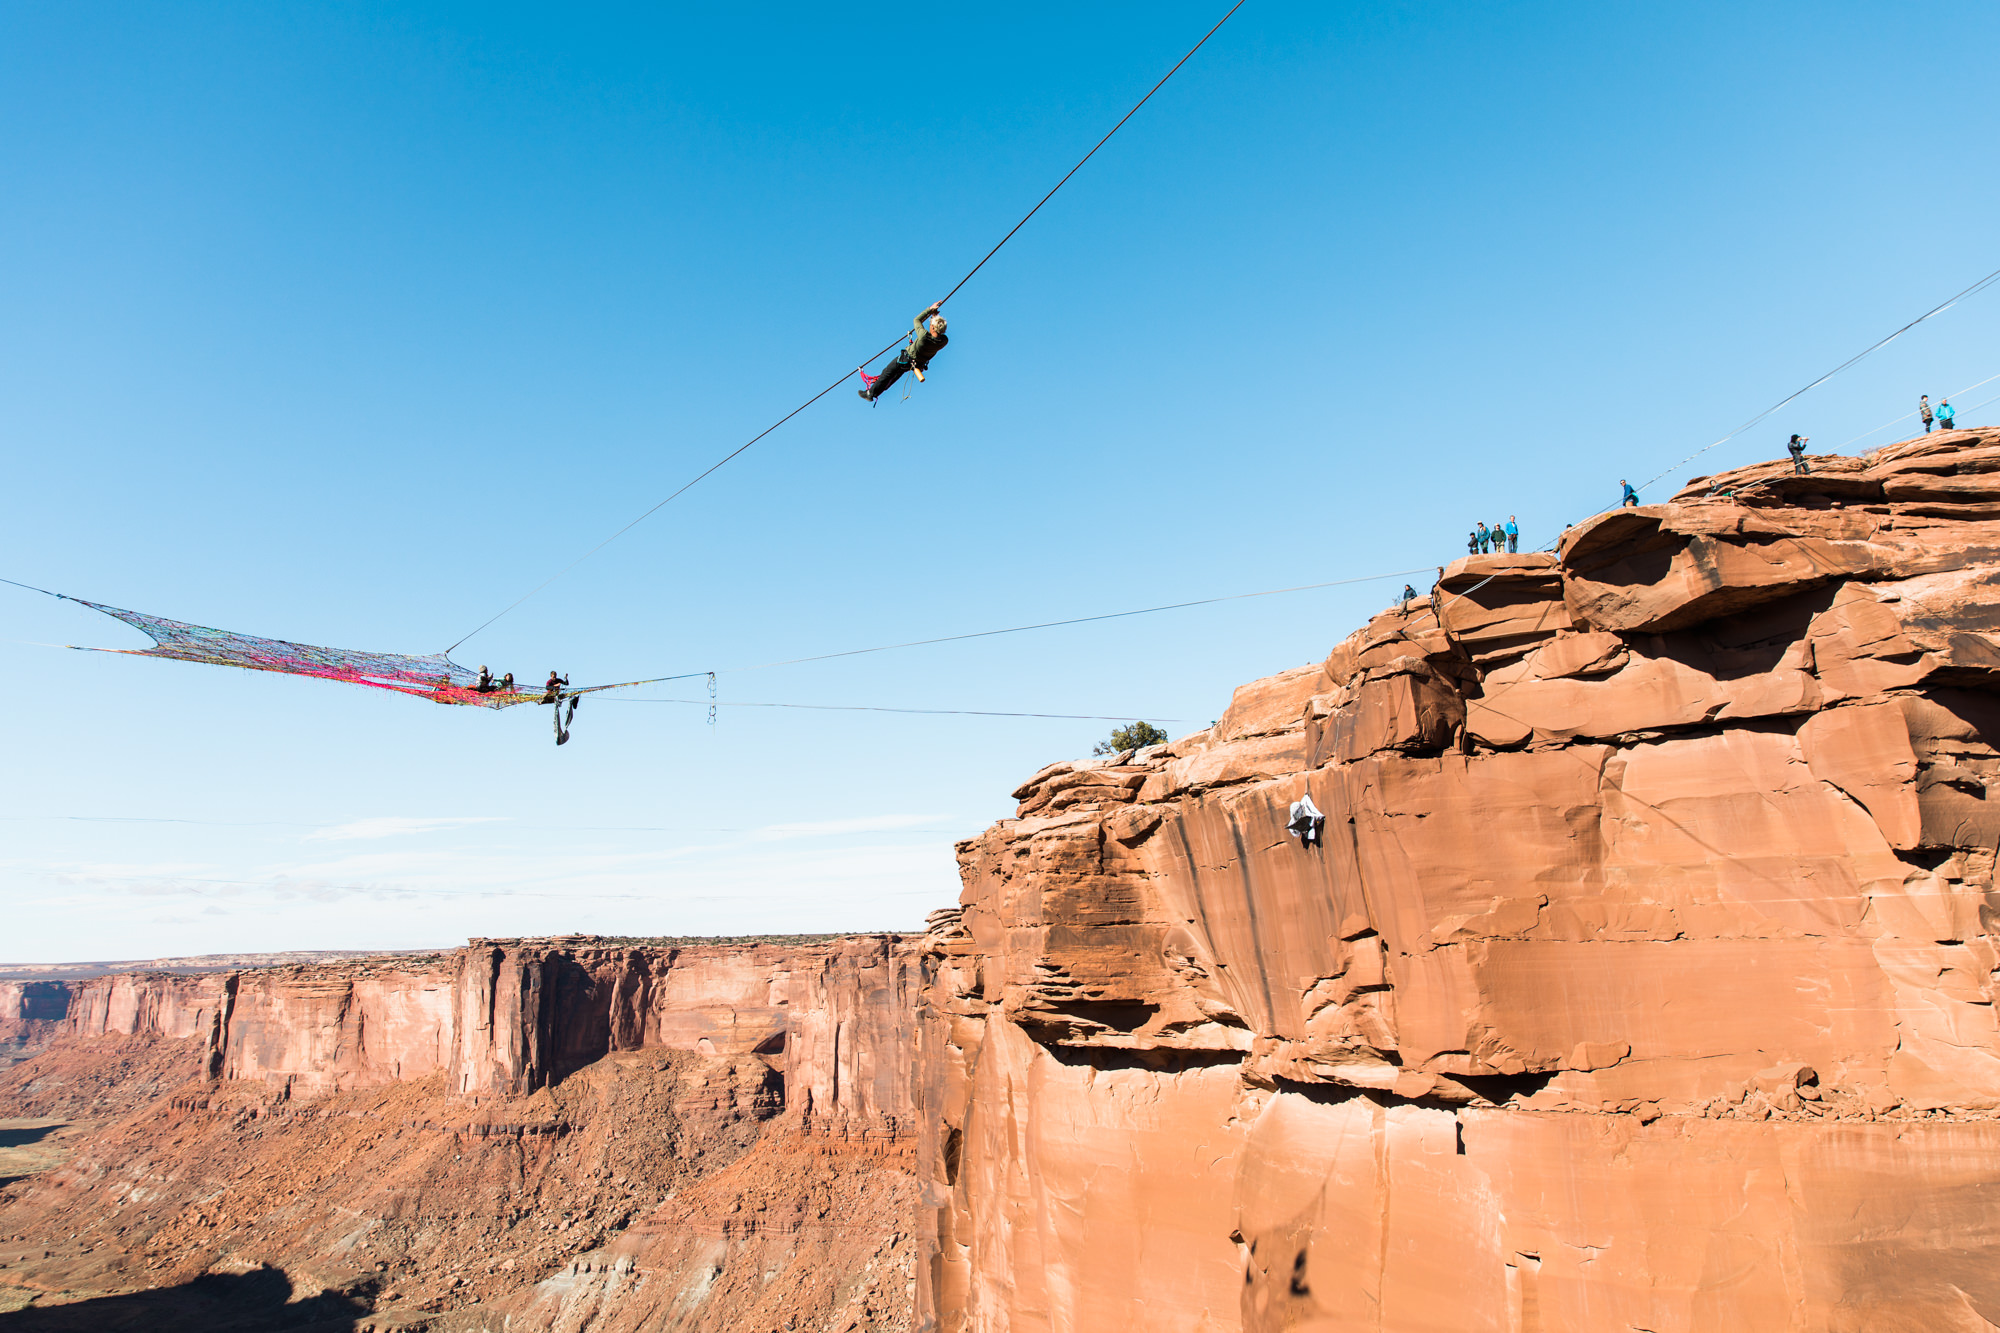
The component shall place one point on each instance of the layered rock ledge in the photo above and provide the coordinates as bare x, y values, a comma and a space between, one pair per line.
1644, 978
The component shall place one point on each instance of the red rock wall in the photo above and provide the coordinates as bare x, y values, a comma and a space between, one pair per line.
31, 1013
157, 1004
505, 1017
1643, 979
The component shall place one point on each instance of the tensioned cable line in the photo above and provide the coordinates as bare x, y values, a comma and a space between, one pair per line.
1936, 310
873, 355
870, 708
1843, 446
1021, 629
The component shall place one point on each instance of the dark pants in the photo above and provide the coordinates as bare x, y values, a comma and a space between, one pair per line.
898, 367
1946, 423
1927, 425
1799, 462
1631, 502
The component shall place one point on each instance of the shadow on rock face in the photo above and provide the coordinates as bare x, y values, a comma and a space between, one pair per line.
21, 1138
213, 1303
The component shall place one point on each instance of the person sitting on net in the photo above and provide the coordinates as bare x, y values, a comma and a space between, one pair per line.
552, 688
507, 683
485, 682
928, 341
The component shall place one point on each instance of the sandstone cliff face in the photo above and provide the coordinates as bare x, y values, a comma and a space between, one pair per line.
31, 1012
519, 1135
1644, 978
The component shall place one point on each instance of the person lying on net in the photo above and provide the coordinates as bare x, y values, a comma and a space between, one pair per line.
928, 327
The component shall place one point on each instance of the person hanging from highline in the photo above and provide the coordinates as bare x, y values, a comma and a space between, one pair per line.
927, 341
1797, 449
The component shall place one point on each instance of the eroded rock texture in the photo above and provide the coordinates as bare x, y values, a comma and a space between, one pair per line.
521, 1135
1643, 980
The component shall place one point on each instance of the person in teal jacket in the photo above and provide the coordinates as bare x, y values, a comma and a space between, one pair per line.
1631, 497
1513, 536
1946, 414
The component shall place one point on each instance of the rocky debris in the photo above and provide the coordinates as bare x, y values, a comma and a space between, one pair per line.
1643, 978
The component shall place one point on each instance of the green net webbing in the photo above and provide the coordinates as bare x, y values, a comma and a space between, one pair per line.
434, 677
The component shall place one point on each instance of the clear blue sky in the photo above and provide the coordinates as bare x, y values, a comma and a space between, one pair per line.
349, 323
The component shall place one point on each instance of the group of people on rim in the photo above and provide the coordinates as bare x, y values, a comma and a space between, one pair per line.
1945, 415
1501, 538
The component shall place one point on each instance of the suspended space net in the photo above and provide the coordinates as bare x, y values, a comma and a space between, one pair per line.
434, 677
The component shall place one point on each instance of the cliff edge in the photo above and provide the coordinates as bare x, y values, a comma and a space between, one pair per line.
1643, 978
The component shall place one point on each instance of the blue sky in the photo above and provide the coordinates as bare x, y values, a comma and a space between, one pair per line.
349, 324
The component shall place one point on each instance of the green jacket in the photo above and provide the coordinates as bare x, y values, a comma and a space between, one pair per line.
926, 344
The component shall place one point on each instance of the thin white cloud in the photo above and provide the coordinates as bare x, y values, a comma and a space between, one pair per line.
396, 826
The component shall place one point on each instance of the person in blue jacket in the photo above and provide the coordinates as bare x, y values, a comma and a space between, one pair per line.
1513, 536
1631, 499
1946, 415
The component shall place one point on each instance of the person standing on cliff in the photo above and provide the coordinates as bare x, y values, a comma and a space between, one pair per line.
1631, 499
1513, 536
928, 340
1472, 543
1483, 535
1947, 415
1797, 449
1924, 411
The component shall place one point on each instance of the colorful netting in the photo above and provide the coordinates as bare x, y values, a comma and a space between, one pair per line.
435, 677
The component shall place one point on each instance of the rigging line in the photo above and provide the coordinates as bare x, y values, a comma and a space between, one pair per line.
1936, 310
899, 338
1084, 620
1912, 412
868, 708
1015, 629
32, 588
1099, 144
662, 504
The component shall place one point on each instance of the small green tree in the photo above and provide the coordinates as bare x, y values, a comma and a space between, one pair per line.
1135, 737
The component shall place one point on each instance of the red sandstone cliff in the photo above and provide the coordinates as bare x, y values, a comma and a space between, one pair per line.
521, 1134
1643, 980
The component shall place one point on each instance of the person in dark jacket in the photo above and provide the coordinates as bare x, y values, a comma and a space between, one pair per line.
928, 340
1797, 449
1472, 543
